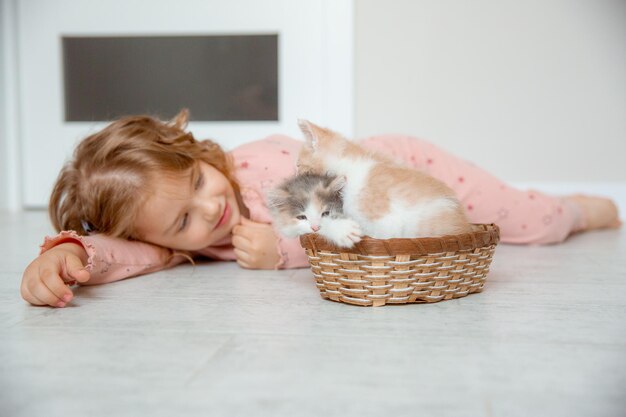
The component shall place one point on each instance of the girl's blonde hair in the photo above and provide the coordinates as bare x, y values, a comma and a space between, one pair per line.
103, 187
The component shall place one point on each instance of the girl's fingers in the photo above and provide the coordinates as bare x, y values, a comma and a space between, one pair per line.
241, 232
41, 292
252, 223
75, 270
240, 242
56, 286
26, 295
242, 255
243, 258
244, 264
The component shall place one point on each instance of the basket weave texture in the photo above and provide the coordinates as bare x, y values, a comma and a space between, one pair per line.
376, 272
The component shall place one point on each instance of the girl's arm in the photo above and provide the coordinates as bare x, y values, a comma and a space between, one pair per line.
68, 258
111, 259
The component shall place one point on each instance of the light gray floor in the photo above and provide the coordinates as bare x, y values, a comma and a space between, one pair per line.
547, 337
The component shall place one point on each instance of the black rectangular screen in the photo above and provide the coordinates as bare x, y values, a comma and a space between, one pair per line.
218, 78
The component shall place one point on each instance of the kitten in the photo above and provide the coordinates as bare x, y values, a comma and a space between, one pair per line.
385, 198
310, 203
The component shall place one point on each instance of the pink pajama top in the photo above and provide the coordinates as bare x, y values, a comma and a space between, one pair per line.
259, 166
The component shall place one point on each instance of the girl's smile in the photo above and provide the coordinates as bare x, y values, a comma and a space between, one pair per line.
190, 212
225, 216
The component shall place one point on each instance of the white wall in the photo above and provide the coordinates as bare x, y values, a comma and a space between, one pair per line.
313, 34
9, 152
3, 94
531, 90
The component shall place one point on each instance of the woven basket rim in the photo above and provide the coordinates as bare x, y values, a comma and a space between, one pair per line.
483, 235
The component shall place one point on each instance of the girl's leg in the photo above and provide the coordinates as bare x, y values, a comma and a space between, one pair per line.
523, 216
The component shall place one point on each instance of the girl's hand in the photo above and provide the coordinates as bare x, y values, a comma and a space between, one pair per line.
255, 245
45, 280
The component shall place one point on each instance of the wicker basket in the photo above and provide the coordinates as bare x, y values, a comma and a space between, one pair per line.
376, 272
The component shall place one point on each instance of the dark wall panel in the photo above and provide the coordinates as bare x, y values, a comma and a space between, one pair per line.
216, 77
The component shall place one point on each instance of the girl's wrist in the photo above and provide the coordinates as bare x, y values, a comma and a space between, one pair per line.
75, 248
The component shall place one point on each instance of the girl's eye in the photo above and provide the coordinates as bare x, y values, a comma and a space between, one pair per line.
183, 224
199, 181
326, 213
301, 217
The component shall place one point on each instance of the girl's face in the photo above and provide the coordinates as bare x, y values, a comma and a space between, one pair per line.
190, 213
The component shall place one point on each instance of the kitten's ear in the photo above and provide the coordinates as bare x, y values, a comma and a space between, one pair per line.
277, 197
310, 134
337, 183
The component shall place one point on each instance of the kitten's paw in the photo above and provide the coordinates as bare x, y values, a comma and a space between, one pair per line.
342, 232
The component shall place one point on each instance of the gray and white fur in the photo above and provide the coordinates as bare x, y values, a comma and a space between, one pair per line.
309, 203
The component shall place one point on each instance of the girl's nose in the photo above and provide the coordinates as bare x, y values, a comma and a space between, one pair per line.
210, 210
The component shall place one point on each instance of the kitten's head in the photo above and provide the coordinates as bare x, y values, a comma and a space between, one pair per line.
301, 203
319, 143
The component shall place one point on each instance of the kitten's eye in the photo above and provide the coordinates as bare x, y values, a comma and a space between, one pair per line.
301, 217
326, 213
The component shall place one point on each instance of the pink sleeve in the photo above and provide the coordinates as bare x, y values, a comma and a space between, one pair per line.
112, 259
292, 255
264, 163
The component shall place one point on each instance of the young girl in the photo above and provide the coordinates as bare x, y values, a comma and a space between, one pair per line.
143, 195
